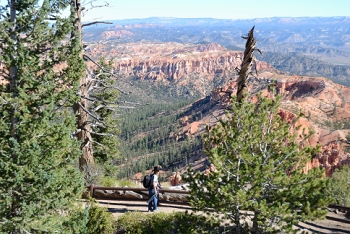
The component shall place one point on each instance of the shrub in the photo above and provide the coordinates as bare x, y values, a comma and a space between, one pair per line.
108, 181
92, 173
100, 220
176, 222
125, 183
339, 186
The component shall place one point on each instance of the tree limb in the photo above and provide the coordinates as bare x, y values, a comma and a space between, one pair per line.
95, 22
96, 133
91, 114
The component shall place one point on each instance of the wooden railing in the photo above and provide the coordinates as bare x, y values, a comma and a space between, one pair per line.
137, 194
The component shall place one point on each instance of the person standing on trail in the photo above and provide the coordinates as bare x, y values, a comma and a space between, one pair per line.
153, 191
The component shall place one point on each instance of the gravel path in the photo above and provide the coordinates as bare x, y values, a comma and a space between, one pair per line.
118, 208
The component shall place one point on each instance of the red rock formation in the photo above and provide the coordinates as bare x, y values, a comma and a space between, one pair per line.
315, 98
171, 60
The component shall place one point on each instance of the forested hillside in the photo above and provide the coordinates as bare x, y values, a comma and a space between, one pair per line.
297, 63
149, 135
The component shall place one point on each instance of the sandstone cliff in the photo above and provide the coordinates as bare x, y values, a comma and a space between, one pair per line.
172, 61
318, 99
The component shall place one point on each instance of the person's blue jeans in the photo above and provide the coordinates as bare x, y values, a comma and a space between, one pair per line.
152, 200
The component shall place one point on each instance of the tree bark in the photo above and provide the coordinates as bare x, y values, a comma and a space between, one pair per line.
15, 206
83, 126
237, 221
242, 86
13, 68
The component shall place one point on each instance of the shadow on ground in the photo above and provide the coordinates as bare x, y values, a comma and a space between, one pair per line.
322, 229
127, 207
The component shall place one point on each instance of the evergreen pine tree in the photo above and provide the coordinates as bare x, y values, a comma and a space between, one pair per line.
259, 176
105, 132
339, 186
96, 124
39, 183
347, 143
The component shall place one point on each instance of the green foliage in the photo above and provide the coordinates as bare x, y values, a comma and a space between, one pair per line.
176, 222
95, 174
76, 221
337, 124
105, 105
148, 139
100, 220
89, 220
108, 181
38, 183
339, 186
125, 183
260, 169
347, 142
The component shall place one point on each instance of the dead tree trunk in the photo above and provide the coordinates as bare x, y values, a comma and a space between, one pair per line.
83, 133
242, 86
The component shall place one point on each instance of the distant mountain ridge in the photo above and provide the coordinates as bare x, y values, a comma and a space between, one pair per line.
324, 31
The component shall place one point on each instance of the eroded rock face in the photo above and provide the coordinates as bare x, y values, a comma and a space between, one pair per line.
173, 68
171, 61
332, 154
319, 101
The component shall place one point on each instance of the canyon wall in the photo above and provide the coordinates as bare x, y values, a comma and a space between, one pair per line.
173, 61
313, 97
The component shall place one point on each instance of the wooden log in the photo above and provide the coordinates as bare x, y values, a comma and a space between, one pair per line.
174, 197
117, 194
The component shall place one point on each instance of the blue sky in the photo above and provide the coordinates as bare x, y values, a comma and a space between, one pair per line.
221, 9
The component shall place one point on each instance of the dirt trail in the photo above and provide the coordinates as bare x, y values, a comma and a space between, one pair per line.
118, 208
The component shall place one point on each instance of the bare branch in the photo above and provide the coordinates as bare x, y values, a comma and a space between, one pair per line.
93, 6
87, 143
91, 114
99, 107
87, 98
86, 58
110, 87
52, 17
95, 142
96, 133
95, 22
